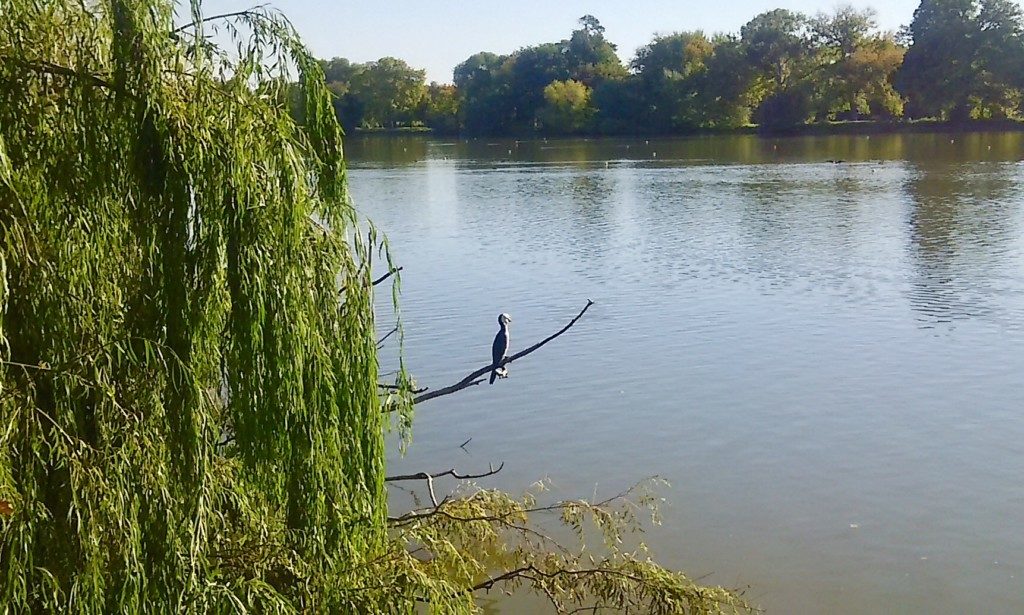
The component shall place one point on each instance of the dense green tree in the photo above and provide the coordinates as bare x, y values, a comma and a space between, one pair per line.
855, 68
785, 108
778, 48
566, 107
390, 90
340, 71
505, 94
591, 57
726, 95
620, 106
671, 70
682, 53
843, 31
963, 59
349, 108
776, 43
441, 108
478, 71
1001, 57
530, 70
484, 104
869, 75
384, 93
939, 70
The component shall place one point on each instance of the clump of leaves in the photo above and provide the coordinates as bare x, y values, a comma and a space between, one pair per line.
482, 539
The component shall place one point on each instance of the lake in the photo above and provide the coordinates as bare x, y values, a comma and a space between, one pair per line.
824, 359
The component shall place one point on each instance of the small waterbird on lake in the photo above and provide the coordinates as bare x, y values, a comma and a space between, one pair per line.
499, 348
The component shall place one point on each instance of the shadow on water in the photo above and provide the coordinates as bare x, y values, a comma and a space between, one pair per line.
591, 204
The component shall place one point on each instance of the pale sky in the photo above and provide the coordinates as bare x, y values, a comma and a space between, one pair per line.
438, 34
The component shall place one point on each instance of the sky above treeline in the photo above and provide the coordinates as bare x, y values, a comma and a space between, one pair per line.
436, 35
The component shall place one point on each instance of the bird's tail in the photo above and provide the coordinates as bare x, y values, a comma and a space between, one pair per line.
494, 374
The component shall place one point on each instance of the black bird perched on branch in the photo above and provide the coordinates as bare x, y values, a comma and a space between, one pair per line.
499, 348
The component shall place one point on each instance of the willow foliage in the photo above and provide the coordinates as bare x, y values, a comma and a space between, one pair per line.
189, 412
166, 289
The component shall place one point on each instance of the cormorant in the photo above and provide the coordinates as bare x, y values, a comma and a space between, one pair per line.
499, 348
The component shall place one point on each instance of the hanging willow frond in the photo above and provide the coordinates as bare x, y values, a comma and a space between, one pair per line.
159, 287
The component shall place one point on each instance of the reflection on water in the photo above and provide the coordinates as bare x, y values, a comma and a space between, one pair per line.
401, 151
824, 359
963, 229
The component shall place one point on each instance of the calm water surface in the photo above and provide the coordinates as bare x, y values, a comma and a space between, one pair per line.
825, 360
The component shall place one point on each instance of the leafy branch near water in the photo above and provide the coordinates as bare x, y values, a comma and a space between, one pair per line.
188, 357
503, 533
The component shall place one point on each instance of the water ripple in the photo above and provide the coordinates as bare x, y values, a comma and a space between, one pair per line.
824, 358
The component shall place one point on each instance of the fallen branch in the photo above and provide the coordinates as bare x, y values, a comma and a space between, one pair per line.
423, 475
475, 377
430, 480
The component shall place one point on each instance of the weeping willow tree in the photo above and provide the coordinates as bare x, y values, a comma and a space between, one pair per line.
190, 417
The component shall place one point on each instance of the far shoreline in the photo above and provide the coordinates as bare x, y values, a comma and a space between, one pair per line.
845, 128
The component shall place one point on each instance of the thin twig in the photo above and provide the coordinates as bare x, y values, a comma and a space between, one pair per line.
380, 342
522, 572
475, 377
43, 368
438, 511
423, 475
416, 515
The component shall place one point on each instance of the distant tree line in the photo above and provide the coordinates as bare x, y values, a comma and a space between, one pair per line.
957, 60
